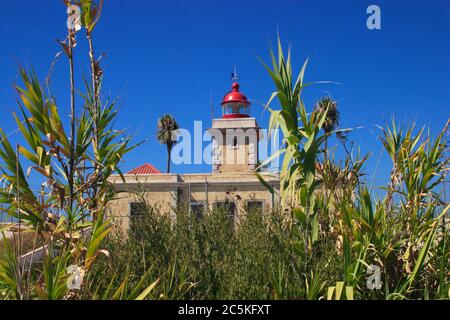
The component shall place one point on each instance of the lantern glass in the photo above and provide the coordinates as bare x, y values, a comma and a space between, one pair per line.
235, 108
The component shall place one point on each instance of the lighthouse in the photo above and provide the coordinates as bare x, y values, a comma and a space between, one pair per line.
232, 185
235, 135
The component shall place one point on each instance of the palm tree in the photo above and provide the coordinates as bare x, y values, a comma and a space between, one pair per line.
328, 105
166, 134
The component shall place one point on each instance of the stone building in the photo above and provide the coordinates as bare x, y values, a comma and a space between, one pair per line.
232, 183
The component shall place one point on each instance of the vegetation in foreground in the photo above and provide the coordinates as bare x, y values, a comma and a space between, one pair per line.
334, 232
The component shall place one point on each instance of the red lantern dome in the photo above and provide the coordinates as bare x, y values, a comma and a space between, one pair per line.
235, 104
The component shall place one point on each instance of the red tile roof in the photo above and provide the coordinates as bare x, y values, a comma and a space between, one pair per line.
146, 168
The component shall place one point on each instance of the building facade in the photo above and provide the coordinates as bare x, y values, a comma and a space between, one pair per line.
232, 184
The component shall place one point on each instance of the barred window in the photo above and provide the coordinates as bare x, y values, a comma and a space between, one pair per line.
227, 206
198, 209
254, 205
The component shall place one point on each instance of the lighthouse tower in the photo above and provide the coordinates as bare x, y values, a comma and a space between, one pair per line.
235, 135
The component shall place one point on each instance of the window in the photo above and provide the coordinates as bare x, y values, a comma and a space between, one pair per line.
235, 108
254, 206
232, 142
137, 209
198, 209
227, 206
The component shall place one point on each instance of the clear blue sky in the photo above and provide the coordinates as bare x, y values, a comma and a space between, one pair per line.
167, 56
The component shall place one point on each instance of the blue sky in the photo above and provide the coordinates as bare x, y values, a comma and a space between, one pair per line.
168, 56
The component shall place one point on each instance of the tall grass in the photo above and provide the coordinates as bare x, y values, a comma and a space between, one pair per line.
259, 258
329, 201
67, 214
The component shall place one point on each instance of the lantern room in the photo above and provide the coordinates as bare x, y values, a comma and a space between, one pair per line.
235, 104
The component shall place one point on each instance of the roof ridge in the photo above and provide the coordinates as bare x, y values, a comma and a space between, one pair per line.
145, 168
